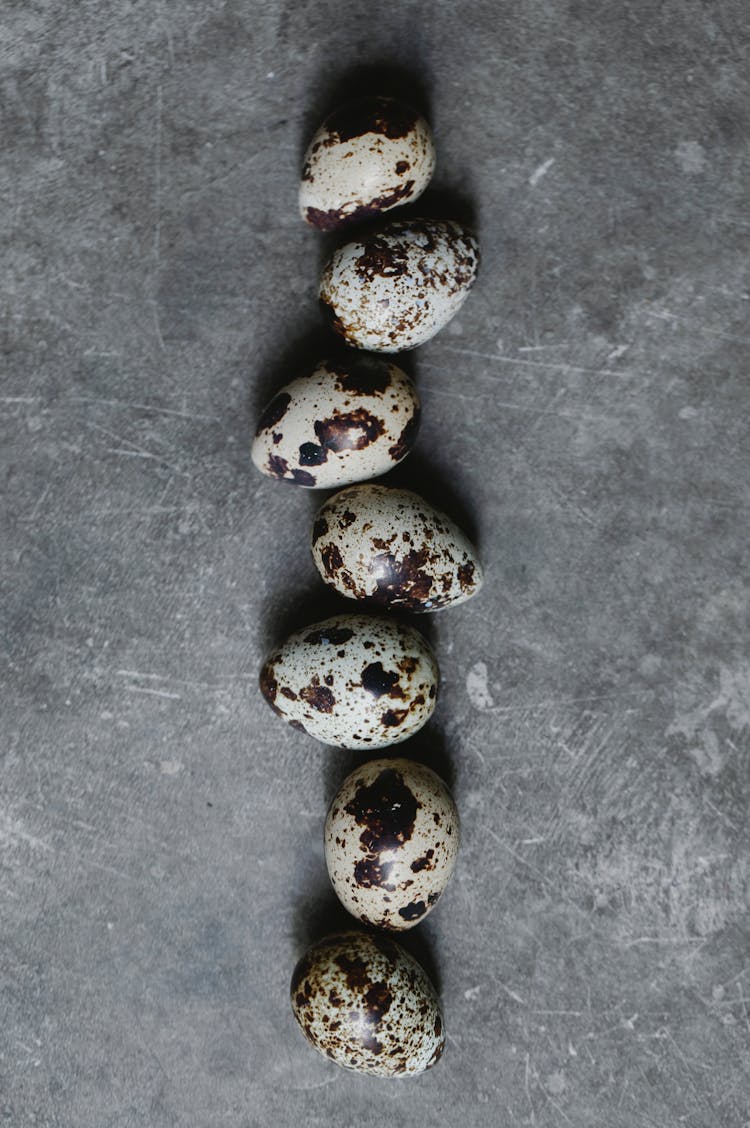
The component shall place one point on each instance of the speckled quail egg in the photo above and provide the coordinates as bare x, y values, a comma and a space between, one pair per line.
366, 1004
395, 288
367, 157
391, 840
355, 681
348, 420
389, 546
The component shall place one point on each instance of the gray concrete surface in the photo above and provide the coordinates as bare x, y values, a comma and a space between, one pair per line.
587, 415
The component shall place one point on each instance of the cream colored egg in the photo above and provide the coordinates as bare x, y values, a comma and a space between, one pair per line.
395, 288
389, 546
391, 840
355, 681
367, 157
347, 420
366, 1004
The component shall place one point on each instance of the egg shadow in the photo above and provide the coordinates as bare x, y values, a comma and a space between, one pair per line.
441, 204
310, 605
380, 76
317, 601
420, 943
286, 360
318, 914
321, 913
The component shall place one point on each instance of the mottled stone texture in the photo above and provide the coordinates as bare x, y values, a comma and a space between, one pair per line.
586, 417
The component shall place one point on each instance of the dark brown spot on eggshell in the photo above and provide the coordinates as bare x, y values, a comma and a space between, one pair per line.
363, 377
310, 454
370, 872
353, 430
332, 559
330, 636
268, 683
320, 528
336, 217
381, 257
423, 863
302, 478
274, 412
386, 809
319, 697
371, 114
355, 971
413, 911
406, 439
402, 580
277, 467
466, 575
379, 681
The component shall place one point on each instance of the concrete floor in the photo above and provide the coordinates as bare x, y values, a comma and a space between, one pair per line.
586, 416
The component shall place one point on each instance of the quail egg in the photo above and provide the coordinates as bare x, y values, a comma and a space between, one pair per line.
391, 840
389, 546
345, 421
355, 681
367, 157
395, 288
369, 1006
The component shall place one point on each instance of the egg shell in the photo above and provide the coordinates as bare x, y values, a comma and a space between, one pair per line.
391, 840
389, 546
346, 421
355, 681
366, 1004
395, 288
367, 157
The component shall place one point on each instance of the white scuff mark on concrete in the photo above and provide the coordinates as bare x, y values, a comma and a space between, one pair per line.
556, 1083
709, 753
477, 687
733, 700
13, 832
734, 696
170, 767
541, 171
691, 157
